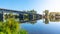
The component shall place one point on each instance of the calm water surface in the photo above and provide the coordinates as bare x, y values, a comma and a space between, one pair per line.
40, 27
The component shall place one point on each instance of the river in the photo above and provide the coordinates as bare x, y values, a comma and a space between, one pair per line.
42, 26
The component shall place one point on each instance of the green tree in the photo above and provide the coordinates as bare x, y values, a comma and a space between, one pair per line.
46, 12
32, 11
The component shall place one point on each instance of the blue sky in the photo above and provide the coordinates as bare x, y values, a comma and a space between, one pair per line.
38, 5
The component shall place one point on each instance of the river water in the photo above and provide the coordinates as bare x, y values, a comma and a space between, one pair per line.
42, 26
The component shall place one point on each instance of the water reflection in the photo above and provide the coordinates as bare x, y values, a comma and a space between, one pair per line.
47, 20
29, 21
40, 27
33, 22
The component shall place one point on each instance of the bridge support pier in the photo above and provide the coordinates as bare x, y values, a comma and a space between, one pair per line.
1, 16
21, 17
30, 17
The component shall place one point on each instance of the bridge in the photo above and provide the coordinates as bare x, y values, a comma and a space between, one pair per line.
22, 14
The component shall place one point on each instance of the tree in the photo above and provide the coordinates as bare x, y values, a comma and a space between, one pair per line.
46, 12
32, 11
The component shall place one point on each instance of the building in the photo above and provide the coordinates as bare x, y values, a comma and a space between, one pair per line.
54, 14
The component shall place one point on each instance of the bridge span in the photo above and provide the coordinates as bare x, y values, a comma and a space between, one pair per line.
21, 14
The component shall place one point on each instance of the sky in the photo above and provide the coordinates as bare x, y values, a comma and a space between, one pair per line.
38, 5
